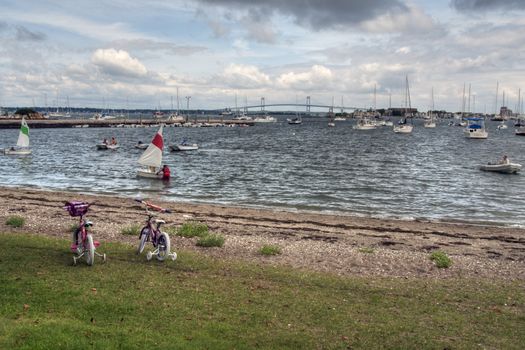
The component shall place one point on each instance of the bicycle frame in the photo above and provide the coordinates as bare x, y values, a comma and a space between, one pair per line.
153, 233
81, 243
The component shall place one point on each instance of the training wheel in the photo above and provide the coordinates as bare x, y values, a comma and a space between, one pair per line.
74, 260
104, 257
149, 256
173, 256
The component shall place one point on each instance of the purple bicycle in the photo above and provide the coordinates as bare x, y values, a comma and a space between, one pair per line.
151, 233
83, 244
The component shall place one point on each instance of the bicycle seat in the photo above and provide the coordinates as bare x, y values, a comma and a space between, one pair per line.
159, 221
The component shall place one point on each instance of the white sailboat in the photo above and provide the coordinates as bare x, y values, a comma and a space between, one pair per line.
22, 145
151, 159
404, 127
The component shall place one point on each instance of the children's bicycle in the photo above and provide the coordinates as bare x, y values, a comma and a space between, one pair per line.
83, 244
151, 233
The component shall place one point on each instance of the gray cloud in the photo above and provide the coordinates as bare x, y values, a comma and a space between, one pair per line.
481, 5
24, 34
316, 14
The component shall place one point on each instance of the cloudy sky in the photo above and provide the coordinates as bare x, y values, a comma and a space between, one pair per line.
115, 53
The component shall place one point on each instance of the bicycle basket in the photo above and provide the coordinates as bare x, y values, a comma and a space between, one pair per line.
76, 208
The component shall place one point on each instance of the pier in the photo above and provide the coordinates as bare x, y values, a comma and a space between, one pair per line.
14, 123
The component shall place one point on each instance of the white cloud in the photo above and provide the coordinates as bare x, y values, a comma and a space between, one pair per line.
244, 76
118, 62
317, 77
404, 50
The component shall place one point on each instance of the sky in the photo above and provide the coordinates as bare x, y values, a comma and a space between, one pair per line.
138, 54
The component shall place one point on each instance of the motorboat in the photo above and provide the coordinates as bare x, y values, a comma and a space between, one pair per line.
184, 146
403, 128
476, 129
106, 146
140, 145
502, 125
293, 121
365, 124
520, 131
264, 119
505, 168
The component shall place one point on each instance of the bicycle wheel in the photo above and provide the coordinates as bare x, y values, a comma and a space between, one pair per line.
163, 244
90, 250
143, 239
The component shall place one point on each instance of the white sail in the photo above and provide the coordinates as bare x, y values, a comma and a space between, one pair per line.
23, 136
152, 156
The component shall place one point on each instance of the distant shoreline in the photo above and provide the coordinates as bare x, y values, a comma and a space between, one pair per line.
337, 244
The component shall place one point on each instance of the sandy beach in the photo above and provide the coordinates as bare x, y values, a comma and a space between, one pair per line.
344, 245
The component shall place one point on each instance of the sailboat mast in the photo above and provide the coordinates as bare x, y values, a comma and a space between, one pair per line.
463, 102
178, 106
469, 86
496, 103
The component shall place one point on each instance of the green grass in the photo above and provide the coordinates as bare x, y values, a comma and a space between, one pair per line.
193, 229
133, 230
270, 250
197, 302
441, 259
366, 250
211, 240
15, 221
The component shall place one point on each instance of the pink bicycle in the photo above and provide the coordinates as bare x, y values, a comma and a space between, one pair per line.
83, 244
151, 232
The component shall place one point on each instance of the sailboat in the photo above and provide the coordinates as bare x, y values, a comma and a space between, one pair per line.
151, 159
404, 127
22, 145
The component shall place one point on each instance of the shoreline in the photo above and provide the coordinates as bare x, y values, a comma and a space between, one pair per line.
350, 215
340, 244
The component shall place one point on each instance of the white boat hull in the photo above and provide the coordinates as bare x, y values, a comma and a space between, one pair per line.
510, 168
403, 129
476, 134
103, 146
190, 147
429, 125
142, 146
149, 174
364, 127
17, 151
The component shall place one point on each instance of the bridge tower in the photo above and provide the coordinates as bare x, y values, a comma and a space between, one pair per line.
263, 103
308, 104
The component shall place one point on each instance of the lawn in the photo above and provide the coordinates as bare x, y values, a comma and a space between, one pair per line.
197, 302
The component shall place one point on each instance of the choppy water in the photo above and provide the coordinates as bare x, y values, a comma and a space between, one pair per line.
432, 173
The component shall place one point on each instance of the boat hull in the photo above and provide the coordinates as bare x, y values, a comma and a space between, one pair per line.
403, 129
17, 151
104, 147
180, 148
476, 134
148, 174
511, 168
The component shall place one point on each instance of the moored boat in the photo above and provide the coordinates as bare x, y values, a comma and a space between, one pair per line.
508, 168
